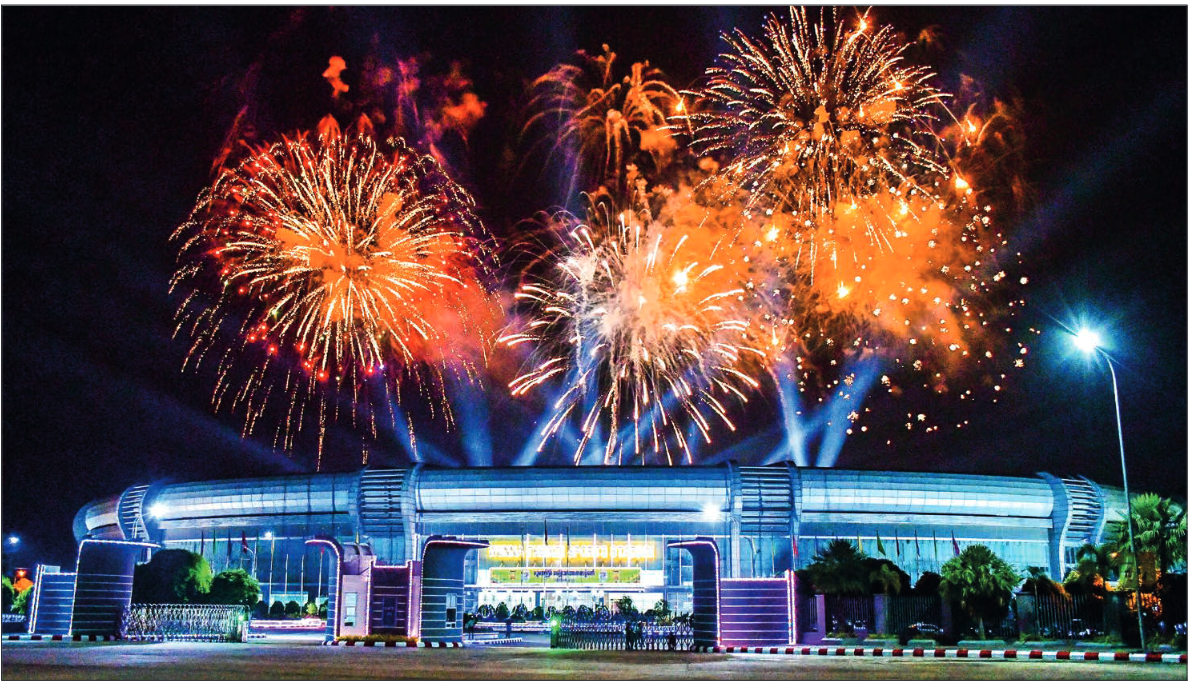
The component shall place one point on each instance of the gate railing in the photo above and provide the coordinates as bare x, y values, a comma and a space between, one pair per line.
611, 635
221, 623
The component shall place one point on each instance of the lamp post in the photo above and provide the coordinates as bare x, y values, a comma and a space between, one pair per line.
269, 582
1089, 342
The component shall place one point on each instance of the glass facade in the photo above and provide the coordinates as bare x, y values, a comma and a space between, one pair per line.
592, 534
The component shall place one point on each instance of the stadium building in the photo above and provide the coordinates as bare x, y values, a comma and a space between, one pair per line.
589, 535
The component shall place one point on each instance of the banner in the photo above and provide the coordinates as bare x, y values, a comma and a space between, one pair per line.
557, 575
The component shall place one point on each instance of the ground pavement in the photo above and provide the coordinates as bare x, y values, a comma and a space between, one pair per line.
28, 660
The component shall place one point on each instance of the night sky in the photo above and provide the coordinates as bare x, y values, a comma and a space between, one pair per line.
112, 119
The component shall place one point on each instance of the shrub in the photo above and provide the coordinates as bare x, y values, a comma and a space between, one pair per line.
172, 576
502, 612
20, 604
293, 609
277, 610
234, 587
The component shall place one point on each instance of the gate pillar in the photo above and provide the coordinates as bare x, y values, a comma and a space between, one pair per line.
705, 593
443, 588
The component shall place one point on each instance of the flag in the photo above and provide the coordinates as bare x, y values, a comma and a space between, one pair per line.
794, 548
243, 542
545, 540
229, 547
859, 544
955, 545
203, 542
897, 548
880, 548
935, 548
916, 542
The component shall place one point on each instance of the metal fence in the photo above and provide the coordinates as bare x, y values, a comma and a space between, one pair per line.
223, 623
1063, 617
848, 613
611, 635
903, 611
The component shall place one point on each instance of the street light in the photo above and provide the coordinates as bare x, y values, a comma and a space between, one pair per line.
1089, 342
269, 582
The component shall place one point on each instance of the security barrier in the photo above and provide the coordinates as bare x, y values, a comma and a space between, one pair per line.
612, 635
212, 623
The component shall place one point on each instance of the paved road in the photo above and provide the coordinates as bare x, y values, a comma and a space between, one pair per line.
173, 661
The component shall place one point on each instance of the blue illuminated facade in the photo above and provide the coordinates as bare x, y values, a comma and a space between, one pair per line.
592, 534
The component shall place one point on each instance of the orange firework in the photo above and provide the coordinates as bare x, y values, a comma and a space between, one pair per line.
347, 271
872, 236
600, 123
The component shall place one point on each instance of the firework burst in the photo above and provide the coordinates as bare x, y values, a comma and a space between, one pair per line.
812, 116
601, 124
642, 321
331, 272
875, 241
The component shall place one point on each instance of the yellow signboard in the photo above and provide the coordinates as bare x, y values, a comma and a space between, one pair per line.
577, 552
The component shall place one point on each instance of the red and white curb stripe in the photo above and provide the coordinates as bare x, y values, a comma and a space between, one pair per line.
61, 638
495, 641
957, 653
389, 643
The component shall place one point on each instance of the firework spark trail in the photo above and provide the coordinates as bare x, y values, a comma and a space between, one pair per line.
636, 312
346, 270
598, 124
873, 239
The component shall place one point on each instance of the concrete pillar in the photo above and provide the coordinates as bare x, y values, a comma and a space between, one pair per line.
1027, 617
879, 613
821, 616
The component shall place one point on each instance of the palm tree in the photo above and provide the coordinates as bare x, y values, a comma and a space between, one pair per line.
1039, 582
980, 581
887, 579
1160, 535
1095, 564
839, 569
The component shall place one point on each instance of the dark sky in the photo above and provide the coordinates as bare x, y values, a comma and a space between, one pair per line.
112, 118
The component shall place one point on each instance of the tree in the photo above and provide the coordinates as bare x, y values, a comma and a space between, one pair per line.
1094, 566
7, 593
20, 604
1039, 583
1161, 537
277, 610
311, 609
839, 569
502, 612
928, 584
662, 610
885, 577
171, 576
234, 587
626, 607
981, 582
293, 609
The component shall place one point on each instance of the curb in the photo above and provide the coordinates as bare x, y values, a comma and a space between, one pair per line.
494, 641
956, 653
390, 643
62, 638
